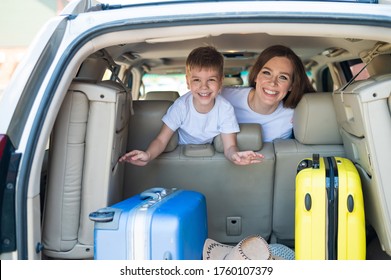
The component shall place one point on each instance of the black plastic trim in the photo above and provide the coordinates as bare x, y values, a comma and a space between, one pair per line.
9, 170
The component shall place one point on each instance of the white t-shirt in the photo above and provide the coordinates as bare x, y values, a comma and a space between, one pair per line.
275, 125
197, 128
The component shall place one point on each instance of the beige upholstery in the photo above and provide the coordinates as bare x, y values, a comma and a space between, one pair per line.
92, 69
363, 113
239, 198
315, 120
380, 65
232, 81
201, 150
249, 138
88, 137
147, 122
162, 95
316, 131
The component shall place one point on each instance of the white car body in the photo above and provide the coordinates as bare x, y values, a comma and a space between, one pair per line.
34, 96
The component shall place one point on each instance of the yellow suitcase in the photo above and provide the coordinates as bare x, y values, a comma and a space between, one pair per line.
329, 210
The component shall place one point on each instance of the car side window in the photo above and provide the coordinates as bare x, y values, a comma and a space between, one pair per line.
349, 69
327, 82
353, 67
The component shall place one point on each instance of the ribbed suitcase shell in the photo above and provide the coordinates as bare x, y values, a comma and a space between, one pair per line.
329, 211
158, 224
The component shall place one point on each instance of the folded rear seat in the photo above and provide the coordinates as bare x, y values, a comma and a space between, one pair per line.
239, 198
162, 95
364, 117
87, 139
316, 131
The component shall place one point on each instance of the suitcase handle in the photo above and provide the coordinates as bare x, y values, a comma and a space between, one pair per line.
154, 193
315, 161
102, 216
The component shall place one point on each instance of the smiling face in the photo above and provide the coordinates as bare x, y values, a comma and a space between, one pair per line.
274, 81
204, 84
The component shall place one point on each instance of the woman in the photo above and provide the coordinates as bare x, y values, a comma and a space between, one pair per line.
277, 83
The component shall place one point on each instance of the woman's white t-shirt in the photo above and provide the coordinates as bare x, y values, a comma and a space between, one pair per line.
275, 125
197, 128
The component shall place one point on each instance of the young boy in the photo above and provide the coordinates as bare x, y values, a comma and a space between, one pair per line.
200, 114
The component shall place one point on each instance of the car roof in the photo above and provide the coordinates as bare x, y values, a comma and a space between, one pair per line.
162, 53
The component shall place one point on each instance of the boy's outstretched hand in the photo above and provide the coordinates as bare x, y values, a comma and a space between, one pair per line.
246, 158
136, 157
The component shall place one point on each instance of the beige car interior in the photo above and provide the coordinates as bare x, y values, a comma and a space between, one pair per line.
89, 136
358, 107
162, 95
199, 167
316, 131
98, 122
268, 187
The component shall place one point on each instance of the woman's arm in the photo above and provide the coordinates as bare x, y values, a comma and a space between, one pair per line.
232, 153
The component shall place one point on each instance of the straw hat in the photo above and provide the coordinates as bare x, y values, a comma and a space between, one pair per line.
251, 248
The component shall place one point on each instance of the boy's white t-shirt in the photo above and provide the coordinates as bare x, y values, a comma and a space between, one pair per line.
197, 128
276, 125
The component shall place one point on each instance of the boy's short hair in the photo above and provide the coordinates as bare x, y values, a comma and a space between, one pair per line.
205, 57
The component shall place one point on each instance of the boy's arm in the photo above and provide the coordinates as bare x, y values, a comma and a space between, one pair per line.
158, 145
231, 151
155, 148
230, 144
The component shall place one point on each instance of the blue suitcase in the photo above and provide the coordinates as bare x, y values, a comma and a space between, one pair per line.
158, 224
